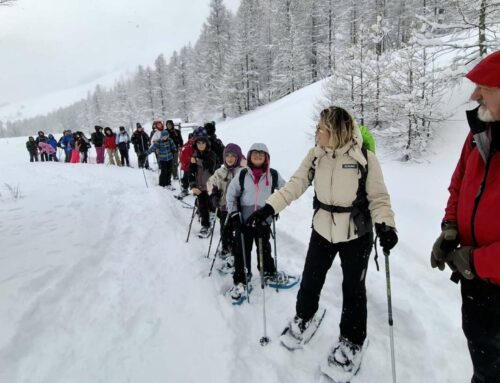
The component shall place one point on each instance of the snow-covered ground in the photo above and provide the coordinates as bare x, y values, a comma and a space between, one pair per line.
97, 283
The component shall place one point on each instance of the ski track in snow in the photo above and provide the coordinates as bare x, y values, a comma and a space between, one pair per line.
97, 283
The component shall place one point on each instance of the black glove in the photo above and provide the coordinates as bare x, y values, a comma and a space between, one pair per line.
215, 197
387, 236
461, 260
260, 216
446, 243
234, 220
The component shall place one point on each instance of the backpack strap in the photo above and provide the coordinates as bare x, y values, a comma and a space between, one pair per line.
358, 210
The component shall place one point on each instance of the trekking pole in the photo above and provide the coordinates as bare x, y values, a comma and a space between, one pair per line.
192, 218
275, 250
144, 174
243, 252
218, 244
389, 311
212, 234
264, 341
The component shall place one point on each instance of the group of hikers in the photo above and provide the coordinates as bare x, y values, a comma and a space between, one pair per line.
351, 202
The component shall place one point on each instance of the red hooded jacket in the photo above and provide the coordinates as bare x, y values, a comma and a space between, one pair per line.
474, 201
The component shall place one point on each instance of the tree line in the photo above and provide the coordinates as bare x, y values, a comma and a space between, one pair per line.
385, 60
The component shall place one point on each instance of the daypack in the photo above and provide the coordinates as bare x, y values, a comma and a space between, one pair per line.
359, 210
185, 155
274, 175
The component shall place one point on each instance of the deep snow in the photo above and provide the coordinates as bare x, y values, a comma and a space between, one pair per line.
97, 283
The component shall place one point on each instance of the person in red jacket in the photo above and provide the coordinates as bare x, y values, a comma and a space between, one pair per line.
470, 239
111, 146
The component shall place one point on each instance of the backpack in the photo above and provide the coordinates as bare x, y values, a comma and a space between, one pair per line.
359, 210
274, 175
185, 154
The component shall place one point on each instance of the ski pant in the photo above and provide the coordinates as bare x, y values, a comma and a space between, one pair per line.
175, 165
185, 180
251, 234
204, 208
144, 163
113, 156
225, 230
44, 157
481, 326
122, 147
354, 256
33, 157
99, 151
165, 169
67, 155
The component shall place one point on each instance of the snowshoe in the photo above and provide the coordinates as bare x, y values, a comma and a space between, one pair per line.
298, 333
223, 254
281, 280
205, 232
238, 293
344, 361
227, 267
182, 194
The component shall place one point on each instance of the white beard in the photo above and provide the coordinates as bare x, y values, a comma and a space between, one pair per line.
484, 114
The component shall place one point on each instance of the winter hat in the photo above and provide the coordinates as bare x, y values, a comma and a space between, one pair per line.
157, 122
487, 72
200, 134
210, 128
138, 125
233, 149
97, 128
122, 128
259, 147
164, 134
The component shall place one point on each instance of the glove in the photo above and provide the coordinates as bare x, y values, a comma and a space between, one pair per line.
461, 260
387, 236
260, 216
234, 220
446, 243
215, 198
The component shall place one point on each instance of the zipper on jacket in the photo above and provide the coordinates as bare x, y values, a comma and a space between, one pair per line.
478, 198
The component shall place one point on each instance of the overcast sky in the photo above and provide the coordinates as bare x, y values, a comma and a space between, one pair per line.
49, 45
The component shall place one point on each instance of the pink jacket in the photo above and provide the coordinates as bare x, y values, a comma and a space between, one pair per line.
46, 148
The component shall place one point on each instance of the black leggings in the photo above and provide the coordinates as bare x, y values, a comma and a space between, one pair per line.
354, 256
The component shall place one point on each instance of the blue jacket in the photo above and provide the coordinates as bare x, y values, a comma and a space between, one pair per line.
65, 142
52, 141
164, 147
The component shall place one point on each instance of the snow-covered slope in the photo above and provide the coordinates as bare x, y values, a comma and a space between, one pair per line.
97, 283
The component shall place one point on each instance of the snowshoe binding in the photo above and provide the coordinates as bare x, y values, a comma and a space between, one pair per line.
298, 333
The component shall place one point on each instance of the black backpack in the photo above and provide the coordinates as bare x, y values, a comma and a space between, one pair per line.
359, 209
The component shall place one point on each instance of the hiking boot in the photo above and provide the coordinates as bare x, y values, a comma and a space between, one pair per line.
276, 278
237, 291
183, 193
204, 232
345, 356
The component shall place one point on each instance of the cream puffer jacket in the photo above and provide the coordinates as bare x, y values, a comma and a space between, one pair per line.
336, 183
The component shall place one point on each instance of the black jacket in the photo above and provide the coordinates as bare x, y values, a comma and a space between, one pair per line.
141, 141
97, 138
